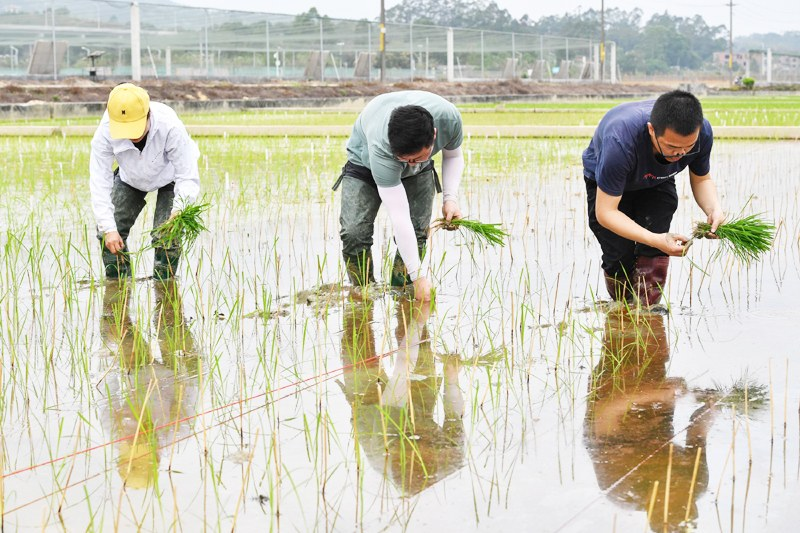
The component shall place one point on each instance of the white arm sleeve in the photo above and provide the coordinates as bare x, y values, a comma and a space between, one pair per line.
183, 153
101, 182
396, 202
452, 169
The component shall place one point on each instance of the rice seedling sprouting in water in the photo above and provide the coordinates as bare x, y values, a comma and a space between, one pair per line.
485, 233
183, 229
746, 238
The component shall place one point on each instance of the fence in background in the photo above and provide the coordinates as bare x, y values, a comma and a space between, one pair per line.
62, 38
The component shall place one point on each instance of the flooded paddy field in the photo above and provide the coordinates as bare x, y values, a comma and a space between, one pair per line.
257, 391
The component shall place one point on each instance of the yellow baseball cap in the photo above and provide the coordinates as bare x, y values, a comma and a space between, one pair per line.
128, 106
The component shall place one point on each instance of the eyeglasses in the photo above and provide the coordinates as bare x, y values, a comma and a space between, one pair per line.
675, 156
423, 156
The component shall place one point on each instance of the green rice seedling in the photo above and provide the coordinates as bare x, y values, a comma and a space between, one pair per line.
183, 229
485, 233
746, 238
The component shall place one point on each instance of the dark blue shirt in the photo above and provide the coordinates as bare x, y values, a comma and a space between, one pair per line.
621, 158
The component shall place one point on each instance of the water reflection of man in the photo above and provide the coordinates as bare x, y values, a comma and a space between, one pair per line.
630, 415
393, 414
146, 392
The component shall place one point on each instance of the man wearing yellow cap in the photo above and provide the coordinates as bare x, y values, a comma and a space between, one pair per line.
153, 152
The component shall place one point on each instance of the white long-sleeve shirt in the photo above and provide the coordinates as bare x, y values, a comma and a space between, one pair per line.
169, 155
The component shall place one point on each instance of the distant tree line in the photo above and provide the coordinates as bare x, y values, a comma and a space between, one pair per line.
788, 42
661, 44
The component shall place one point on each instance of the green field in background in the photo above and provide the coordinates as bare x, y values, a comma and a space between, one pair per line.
720, 111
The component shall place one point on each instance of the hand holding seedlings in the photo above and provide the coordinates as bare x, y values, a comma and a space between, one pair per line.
674, 244
182, 228
485, 233
746, 238
450, 212
113, 242
715, 218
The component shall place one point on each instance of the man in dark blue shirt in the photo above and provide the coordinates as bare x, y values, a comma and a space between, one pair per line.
629, 168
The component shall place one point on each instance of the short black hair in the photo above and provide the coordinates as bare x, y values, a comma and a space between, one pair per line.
679, 111
410, 129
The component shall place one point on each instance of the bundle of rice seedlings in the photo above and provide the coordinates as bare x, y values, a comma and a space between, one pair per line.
485, 233
746, 238
183, 229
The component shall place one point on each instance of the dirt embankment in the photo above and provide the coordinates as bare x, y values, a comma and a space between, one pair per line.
82, 90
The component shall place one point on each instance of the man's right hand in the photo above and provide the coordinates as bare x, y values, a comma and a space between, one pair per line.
422, 289
114, 242
671, 243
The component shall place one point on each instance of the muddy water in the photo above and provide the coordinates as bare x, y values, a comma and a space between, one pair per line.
258, 392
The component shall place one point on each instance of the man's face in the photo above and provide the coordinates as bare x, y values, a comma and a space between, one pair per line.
146, 129
672, 146
422, 156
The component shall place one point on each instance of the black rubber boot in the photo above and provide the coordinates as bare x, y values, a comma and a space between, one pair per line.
165, 263
400, 276
116, 266
650, 276
359, 268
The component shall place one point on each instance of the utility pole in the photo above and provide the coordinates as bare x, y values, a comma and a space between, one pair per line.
730, 44
382, 45
602, 57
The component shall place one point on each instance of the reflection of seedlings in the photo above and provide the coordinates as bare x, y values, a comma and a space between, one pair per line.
743, 394
268, 314
491, 358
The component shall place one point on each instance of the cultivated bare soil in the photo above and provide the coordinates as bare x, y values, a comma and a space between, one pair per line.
83, 90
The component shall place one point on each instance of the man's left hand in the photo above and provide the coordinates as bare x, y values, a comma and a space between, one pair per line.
450, 210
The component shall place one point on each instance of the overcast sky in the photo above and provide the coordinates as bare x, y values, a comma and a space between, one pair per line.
749, 16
